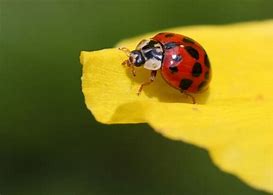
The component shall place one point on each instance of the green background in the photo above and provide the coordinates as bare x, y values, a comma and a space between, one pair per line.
51, 144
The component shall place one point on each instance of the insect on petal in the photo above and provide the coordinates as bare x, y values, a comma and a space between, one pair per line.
233, 120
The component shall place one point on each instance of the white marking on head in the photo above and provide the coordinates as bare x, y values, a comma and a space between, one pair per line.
152, 64
152, 60
142, 44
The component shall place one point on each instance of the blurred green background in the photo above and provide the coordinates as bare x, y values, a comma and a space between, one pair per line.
51, 144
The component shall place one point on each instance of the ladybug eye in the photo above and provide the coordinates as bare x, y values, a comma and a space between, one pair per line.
136, 58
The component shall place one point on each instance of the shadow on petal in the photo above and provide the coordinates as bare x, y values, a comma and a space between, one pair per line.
161, 90
137, 110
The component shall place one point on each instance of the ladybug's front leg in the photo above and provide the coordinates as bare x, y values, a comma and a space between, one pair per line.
152, 78
127, 62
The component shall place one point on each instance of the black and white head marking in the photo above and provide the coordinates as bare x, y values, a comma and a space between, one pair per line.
136, 58
152, 52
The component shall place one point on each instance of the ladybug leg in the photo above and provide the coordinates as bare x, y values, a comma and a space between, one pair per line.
133, 71
152, 78
127, 62
127, 52
190, 96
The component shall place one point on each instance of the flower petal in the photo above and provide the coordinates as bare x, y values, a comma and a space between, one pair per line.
233, 119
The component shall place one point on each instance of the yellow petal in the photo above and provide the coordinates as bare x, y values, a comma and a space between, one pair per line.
233, 120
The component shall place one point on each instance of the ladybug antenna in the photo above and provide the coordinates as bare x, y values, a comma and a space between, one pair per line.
125, 50
128, 62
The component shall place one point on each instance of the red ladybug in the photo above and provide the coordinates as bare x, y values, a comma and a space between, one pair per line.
183, 63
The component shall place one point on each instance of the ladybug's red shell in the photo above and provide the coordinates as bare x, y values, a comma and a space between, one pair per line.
185, 64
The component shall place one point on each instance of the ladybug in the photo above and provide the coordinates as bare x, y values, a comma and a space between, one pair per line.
183, 62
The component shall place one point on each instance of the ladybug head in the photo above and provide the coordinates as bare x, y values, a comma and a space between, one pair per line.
136, 58
148, 53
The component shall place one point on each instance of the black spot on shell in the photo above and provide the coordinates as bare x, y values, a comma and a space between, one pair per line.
202, 85
196, 69
185, 84
207, 75
173, 69
169, 35
188, 40
206, 60
193, 52
170, 45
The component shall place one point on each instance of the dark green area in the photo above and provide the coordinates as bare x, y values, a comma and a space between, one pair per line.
49, 142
